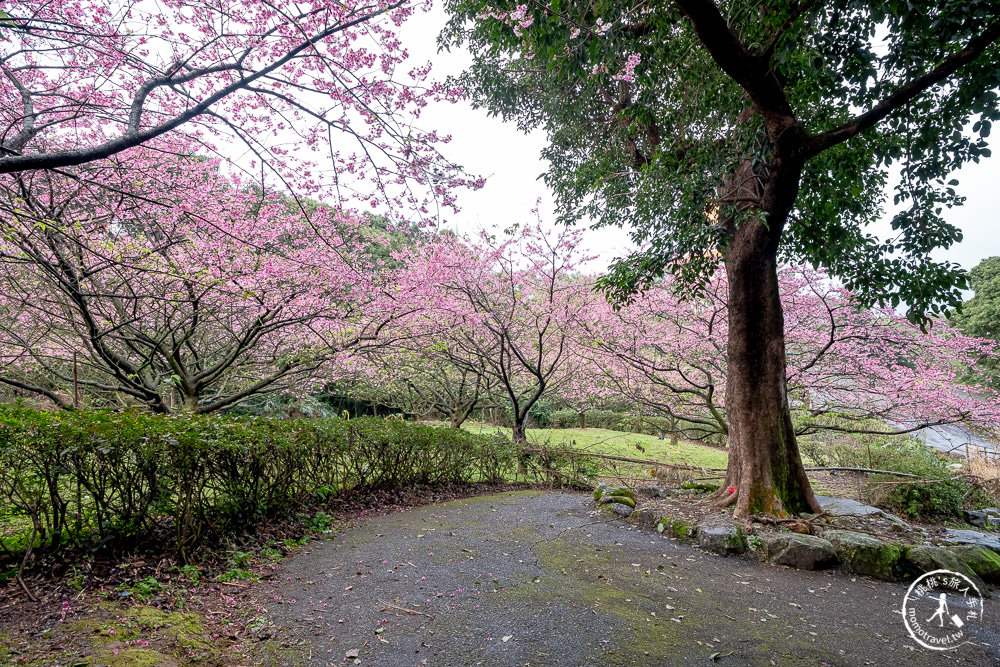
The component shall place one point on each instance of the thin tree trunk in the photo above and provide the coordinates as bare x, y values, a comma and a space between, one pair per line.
521, 429
764, 463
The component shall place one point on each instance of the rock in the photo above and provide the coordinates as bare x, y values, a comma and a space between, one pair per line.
988, 516
980, 560
863, 554
621, 509
927, 559
991, 542
845, 507
654, 491
624, 492
975, 517
647, 517
718, 533
603, 490
804, 552
623, 500
848, 507
676, 527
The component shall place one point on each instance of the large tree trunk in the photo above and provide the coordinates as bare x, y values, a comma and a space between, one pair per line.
192, 404
764, 463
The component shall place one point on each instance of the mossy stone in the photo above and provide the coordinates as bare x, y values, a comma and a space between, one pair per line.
622, 500
982, 561
863, 554
927, 559
628, 493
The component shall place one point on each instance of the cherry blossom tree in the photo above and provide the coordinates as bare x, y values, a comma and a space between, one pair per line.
315, 95
848, 367
750, 134
510, 306
427, 377
195, 295
666, 356
862, 365
583, 386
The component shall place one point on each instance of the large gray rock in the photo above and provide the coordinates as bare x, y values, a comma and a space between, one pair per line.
621, 510
804, 552
718, 533
863, 554
981, 560
928, 559
848, 507
988, 516
974, 537
845, 507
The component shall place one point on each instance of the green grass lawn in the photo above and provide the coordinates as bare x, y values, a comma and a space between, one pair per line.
603, 441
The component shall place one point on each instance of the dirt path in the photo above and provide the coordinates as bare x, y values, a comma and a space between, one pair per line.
538, 579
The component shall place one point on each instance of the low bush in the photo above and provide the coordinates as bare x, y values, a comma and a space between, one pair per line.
87, 481
940, 492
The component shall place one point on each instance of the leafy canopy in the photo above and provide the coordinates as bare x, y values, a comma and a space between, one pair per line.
646, 132
980, 315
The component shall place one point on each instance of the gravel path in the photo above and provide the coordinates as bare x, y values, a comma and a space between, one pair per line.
530, 578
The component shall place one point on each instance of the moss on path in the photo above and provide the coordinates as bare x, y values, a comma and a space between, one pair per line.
539, 579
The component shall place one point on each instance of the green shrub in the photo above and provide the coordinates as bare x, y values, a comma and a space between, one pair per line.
88, 481
541, 414
564, 418
932, 500
938, 494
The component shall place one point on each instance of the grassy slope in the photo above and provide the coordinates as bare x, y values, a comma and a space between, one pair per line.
603, 441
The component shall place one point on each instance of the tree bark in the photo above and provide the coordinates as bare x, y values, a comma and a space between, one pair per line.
192, 404
521, 429
764, 463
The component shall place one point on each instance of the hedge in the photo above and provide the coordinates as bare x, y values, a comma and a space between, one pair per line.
92, 480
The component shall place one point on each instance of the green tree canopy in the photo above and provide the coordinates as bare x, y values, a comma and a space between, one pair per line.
867, 88
980, 315
749, 133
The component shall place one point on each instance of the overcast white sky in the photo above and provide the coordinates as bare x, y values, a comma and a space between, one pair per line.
510, 161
